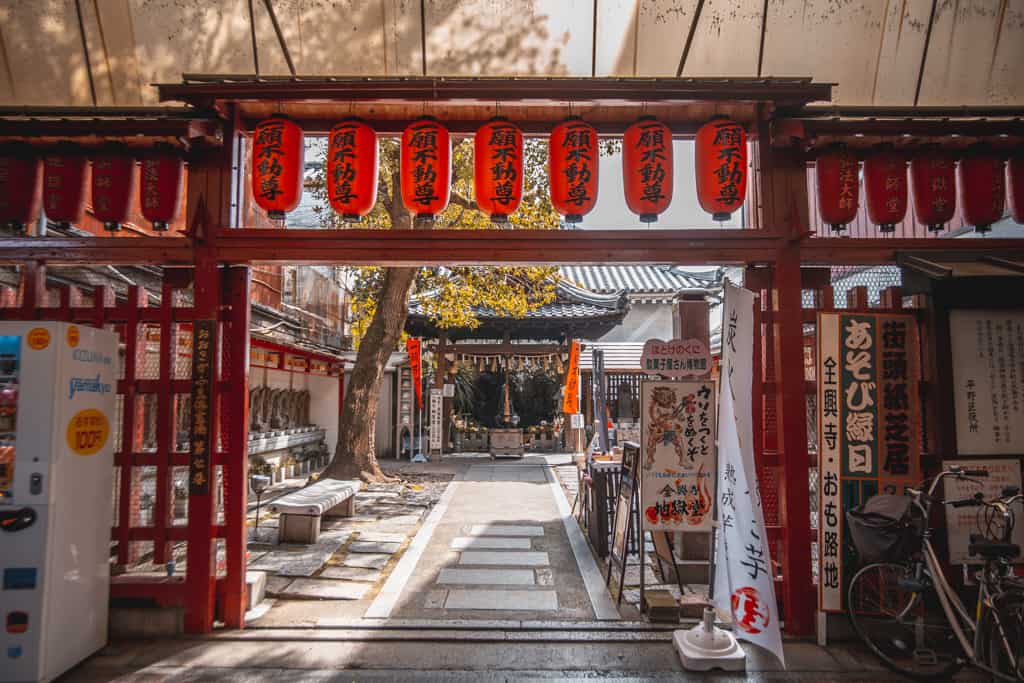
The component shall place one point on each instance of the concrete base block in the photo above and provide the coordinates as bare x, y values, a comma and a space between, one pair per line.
255, 588
346, 508
299, 529
146, 622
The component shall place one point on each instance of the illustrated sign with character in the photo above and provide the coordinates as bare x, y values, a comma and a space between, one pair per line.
678, 455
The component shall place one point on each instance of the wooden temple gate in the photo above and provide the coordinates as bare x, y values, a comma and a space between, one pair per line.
214, 255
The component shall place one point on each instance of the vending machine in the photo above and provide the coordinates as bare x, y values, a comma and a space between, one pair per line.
58, 384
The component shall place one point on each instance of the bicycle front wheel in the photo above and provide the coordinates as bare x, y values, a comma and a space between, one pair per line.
901, 620
1002, 635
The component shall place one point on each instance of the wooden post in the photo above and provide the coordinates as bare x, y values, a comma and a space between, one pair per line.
236, 462
691, 320
210, 210
784, 212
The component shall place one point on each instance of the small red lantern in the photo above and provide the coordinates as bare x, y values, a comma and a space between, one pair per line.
647, 168
1015, 178
65, 176
114, 173
426, 168
721, 167
352, 165
498, 168
838, 187
885, 187
572, 168
933, 177
160, 186
278, 163
982, 187
21, 186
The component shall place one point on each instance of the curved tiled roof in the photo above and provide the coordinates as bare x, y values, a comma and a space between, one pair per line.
655, 279
584, 313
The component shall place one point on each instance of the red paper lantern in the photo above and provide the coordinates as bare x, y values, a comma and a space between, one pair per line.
982, 187
572, 168
933, 177
65, 175
160, 186
1015, 178
426, 167
352, 165
498, 168
838, 191
647, 168
278, 162
885, 187
113, 181
721, 167
21, 186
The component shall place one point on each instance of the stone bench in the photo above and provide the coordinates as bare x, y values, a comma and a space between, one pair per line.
301, 511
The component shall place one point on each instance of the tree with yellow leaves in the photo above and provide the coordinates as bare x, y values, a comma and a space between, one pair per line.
380, 298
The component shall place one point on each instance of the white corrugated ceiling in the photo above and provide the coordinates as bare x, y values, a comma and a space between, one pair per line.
108, 52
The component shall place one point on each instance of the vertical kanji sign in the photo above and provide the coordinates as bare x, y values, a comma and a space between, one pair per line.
744, 579
413, 348
869, 435
571, 399
203, 344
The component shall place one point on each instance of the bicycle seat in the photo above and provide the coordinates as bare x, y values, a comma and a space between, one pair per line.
991, 549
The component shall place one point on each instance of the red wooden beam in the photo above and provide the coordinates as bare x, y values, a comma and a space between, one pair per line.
483, 247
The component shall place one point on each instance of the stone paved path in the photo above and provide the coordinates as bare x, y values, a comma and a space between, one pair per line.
500, 550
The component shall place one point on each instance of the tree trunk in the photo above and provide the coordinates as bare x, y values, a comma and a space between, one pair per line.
355, 456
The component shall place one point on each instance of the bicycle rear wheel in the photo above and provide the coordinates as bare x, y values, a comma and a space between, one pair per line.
1003, 647
902, 622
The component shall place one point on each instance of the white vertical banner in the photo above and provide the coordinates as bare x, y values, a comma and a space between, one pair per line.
436, 408
744, 579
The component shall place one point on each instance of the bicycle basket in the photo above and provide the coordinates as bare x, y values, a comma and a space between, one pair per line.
885, 528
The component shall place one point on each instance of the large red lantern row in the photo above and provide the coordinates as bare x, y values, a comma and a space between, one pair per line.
982, 187
1015, 180
352, 165
721, 167
498, 168
885, 187
647, 168
572, 168
114, 174
65, 175
933, 178
837, 184
160, 186
426, 168
21, 185
278, 157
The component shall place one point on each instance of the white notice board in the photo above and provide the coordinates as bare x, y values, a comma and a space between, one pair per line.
988, 381
962, 522
436, 403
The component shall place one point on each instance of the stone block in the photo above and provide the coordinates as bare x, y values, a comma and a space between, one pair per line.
146, 622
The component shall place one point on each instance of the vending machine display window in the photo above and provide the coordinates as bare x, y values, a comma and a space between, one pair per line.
10, 348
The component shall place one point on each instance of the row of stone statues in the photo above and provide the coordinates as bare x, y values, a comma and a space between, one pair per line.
271, 409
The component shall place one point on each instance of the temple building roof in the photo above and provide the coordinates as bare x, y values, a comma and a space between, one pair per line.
575, 313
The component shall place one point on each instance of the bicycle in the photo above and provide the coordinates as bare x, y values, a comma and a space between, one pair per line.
907, 613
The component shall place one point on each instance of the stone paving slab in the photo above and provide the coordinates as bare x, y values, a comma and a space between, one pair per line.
486, 577
325, 590
297, 560
489, 543
505, 530
276, 584
365, 574
382, 538
362, 546
502, 600
511, 558
371, 561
